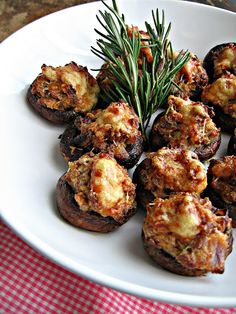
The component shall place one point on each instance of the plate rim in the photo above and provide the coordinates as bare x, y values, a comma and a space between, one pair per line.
117, 284
98, 2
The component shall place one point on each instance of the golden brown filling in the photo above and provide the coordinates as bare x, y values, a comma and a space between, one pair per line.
223, 172
191, 77
101, 185
111, 129
225, 60
67, 87
186, 124
185, 227
174, 170
222, 93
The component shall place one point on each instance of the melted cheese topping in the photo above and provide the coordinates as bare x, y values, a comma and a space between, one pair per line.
107, 181
70, 86
76, 80
175, 170
186, 124
225, 60
120, 116
186, 228
101, 185
188, 222
222, 92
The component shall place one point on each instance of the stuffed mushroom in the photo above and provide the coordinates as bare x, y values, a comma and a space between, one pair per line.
167, 171
96, 193
220, 60
59, 94
187, 235
186, 124
222, 184
114, 130
221, 94
106, 77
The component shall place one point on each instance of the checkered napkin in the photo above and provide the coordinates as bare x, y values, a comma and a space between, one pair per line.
30, 283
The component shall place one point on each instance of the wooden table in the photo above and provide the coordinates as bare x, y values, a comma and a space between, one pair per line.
224, 4
15, 14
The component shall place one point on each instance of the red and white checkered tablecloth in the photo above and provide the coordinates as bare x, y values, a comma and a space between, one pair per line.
30, 283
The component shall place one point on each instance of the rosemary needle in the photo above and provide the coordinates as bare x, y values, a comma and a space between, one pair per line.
145, 88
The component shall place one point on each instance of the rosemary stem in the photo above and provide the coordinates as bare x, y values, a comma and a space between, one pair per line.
145, 87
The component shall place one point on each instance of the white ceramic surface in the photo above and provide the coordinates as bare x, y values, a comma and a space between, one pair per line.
30, 162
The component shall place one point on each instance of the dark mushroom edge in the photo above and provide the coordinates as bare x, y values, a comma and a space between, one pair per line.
54, 116
232, 144
225, 121
203, 252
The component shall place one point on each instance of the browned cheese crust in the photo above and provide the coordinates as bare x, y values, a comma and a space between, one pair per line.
186, 124
167, 171
222, 184
60, 93
191, 78
96, 193
186, 235
114, 130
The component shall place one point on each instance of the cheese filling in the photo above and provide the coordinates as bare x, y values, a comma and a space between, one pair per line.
106, 181
101, 185
225, 60
120, 116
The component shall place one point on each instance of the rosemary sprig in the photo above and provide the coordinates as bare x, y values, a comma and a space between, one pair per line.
146, 91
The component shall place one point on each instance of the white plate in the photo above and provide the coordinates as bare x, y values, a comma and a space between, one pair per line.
30, 162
